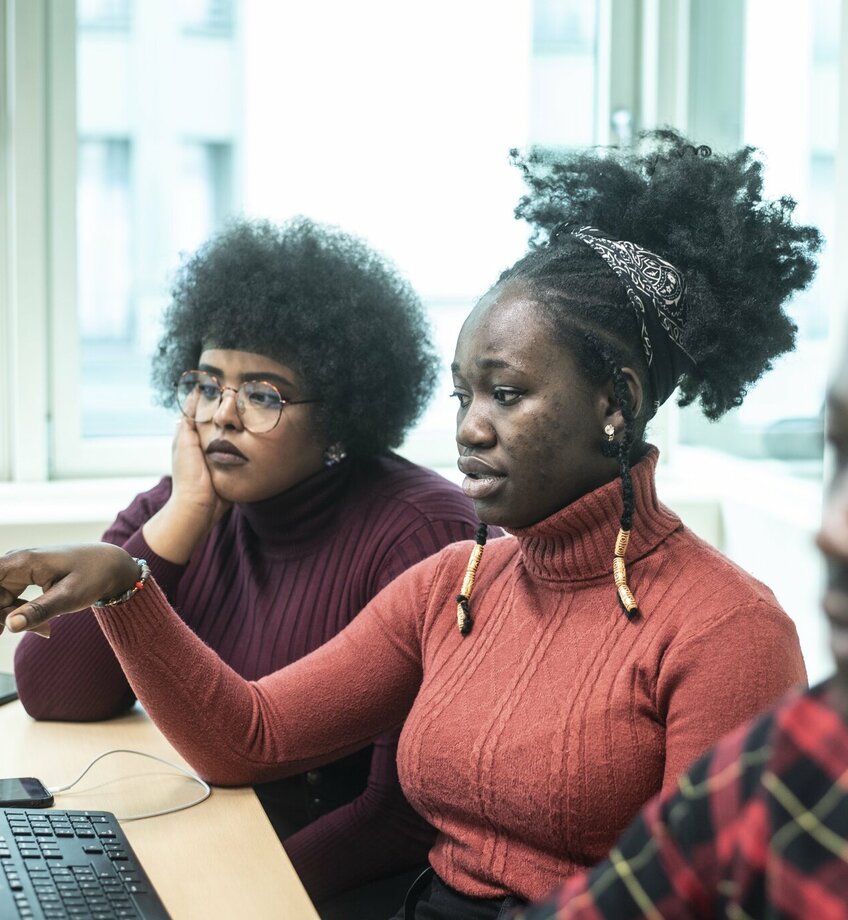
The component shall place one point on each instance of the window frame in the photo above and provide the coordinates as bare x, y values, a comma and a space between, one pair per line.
25, 399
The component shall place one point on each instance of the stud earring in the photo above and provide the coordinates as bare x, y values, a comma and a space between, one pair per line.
609, 431
334, 454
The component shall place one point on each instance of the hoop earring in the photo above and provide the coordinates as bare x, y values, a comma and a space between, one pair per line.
334, 454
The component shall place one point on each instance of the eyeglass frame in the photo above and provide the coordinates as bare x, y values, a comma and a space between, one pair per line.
235, 391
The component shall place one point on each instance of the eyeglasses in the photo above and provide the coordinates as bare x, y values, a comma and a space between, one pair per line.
258, 403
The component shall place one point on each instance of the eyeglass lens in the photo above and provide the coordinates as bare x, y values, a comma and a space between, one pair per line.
258, 404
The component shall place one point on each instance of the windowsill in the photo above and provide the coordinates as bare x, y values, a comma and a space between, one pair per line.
696, 476
69, 501
768, 486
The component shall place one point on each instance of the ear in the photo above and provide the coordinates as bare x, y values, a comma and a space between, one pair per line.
611, 407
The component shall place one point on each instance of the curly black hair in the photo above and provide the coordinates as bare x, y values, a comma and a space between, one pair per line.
319, 300
741, 254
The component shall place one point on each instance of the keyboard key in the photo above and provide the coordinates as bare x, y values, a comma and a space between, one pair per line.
80, 867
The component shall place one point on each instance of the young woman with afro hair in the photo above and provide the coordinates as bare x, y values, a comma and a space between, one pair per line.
286, 511
554, 680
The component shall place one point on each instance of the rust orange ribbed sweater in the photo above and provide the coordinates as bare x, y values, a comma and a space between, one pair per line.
532, 742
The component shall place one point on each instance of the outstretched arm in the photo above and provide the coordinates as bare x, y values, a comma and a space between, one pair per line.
234, 731
76, 676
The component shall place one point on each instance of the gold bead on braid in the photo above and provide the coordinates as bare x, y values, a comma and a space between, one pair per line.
625, 595
463, 599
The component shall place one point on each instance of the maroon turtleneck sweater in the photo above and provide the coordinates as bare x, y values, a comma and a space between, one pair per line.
272, 582
530, 743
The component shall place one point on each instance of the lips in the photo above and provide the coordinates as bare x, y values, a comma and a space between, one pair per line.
474, 466
224, 453
481, 479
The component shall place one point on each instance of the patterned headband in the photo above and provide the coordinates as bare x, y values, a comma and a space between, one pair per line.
657, 292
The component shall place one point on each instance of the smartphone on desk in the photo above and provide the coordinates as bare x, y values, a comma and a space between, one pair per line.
24, 792
8, 687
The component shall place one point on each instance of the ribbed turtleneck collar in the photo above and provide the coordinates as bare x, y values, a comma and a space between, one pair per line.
576, 543
301, 513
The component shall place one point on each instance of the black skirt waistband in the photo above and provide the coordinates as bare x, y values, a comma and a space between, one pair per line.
429, 898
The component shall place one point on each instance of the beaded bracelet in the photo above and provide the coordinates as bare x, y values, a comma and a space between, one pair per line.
144, 573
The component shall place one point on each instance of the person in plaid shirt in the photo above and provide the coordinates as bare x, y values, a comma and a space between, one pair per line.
758, 827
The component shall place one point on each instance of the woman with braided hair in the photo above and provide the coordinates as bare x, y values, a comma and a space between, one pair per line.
557, 678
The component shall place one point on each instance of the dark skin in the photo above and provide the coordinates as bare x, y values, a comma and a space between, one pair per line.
529, 428
529, 432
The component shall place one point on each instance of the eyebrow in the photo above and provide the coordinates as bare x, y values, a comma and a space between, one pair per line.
486, 364
245, 378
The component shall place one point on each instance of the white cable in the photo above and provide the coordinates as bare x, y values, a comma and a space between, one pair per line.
207, 791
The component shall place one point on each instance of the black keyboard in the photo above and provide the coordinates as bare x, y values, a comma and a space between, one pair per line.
71, 865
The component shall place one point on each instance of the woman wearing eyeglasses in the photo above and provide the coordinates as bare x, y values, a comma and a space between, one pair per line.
285, 512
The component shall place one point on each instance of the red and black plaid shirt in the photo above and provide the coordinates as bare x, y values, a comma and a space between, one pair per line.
757, 828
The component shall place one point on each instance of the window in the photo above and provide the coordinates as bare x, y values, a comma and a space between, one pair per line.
245, 112
563, 107
791, 114
155, 167
115, 344
207, 17
114, 15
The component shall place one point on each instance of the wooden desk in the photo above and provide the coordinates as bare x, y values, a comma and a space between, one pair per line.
220, 859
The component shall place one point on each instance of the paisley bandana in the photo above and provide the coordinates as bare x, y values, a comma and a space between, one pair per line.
656, 291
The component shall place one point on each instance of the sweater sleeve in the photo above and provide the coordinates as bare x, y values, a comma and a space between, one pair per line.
326, 705
75, 676
721, 674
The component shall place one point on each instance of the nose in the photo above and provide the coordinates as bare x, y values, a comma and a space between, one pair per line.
226, 415
474, 426
832, 538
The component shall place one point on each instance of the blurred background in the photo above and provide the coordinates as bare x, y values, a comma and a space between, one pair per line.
134, 128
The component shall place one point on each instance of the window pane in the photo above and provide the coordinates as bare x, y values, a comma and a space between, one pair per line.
104, 14
213, 17
154, 180
103, 239
564, 67
410, 156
